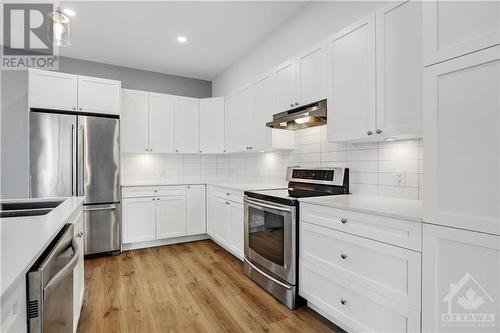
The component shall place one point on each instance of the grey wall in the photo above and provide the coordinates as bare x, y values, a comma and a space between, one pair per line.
14, 153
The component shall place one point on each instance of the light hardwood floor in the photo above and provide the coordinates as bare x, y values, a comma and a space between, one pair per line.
191, 287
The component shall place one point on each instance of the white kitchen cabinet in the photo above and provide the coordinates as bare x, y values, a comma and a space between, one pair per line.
195, 209
138, 220
462, 142
212, 125
285, 86
161, 123
96, 95
134, 124
53, 90
236, 229
311, 75
170, 216
78, 273
221, 218
460, 280
262, 106
238, 120
456, 28
186, 125
351, 82
399, 70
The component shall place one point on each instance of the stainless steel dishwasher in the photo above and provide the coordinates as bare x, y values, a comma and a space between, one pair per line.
50, 285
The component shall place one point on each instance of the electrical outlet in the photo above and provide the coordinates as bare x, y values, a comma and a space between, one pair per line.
400, 178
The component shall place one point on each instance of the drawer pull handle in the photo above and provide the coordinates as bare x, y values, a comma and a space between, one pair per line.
343, 256
80, 234
343, 301
344, 221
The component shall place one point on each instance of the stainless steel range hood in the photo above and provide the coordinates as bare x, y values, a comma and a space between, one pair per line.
310, 115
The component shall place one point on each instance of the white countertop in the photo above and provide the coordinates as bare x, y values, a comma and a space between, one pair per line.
391, 207
23, 239
228, 185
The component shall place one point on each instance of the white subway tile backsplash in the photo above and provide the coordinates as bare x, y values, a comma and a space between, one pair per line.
372, 165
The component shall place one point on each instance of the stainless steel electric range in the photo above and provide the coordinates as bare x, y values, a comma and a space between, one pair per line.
271, 228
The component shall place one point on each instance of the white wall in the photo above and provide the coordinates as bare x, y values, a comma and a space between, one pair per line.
315, 22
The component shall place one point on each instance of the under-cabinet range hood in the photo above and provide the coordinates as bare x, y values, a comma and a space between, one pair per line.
310, 115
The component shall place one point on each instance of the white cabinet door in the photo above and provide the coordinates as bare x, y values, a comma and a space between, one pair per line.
311, 75
134, 122
285, 86
52, 90
212, 125
97, 95
138, 220
236, 231
262, 106
196, 210
161, 123
221, 216
170, 216
351, 86
462, 142
78, 272
460, 281
456, 28
238, 120
186, 125
399, 70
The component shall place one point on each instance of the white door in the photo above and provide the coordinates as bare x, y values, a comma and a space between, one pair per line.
52, 90
97, 95
134, 122
462, 142
238, 121
460, 279
399, 70
186, 125
236, 229
285, 86
161, 123
456, 28
262, 106
138, 220
78, 273
351, 86
170, 216
221, 215
311, 75
196, 209
212, 125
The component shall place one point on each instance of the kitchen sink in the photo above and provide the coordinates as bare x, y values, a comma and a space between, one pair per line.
28, 208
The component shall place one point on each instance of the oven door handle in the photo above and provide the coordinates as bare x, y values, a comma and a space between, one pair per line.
267, 275
261, 204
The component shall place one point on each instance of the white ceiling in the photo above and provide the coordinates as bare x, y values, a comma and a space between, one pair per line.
144, 34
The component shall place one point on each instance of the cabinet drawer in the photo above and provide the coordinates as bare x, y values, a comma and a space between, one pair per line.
385, 229
152, 191
356, 310
230, 195
390, 271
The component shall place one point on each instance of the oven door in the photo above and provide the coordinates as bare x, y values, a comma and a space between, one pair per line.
270, 237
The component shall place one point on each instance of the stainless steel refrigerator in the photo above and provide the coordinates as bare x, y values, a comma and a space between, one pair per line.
79, 155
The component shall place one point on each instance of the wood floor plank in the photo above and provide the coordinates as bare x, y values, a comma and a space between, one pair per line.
190, 287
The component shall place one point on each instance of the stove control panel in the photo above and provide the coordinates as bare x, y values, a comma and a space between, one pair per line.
326, 176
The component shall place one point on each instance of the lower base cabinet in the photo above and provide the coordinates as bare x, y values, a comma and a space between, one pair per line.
460, 280
78, 273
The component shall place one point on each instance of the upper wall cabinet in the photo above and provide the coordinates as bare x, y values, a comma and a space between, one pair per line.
147, 122
456, 28
301, 80
462, 142
238, 121
186, 125
399, 70
61, 91
212, 125
351, 82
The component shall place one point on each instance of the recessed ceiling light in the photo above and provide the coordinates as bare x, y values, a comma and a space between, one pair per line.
69, 12
181, 39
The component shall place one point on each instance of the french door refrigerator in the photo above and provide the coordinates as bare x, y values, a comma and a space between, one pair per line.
78, 155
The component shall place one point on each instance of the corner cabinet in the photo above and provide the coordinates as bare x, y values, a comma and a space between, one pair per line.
237, 120
69, 92
186, 125
212, 125
462, 142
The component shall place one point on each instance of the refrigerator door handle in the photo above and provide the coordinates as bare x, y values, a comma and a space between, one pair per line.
80, 161
73, 151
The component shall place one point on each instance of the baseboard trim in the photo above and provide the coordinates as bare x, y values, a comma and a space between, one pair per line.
161, 242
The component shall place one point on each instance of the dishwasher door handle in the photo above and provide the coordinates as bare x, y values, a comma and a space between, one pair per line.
63, 272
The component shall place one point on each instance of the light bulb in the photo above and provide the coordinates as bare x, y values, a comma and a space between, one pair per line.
303, 120
58, 32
